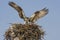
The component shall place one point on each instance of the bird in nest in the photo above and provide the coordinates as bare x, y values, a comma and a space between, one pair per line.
33, 18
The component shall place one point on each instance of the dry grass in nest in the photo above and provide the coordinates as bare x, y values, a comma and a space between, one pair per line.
24, 32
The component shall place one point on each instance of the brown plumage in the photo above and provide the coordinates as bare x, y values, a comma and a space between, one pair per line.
33, 18
38, 14
29, 30
20, 11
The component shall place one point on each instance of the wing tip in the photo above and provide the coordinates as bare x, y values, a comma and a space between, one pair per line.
11, 3
46, 9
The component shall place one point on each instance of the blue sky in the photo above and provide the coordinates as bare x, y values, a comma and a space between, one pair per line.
50, 23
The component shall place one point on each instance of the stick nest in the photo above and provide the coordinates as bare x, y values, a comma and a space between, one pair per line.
24, 32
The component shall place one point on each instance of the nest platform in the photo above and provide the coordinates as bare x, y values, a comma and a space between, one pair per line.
24, 32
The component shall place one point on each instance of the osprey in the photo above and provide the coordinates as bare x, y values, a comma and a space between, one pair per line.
33, 18
29, 30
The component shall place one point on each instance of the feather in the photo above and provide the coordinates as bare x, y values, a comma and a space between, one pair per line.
38, 14
19, 9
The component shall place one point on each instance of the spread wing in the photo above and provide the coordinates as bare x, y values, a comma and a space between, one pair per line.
38, 14
19, 9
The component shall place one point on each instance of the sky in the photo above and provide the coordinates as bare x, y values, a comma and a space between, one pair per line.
50, 23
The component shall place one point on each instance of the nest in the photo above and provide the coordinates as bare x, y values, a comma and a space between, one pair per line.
24, 32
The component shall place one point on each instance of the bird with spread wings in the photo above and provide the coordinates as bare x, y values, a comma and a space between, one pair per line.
33, 18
